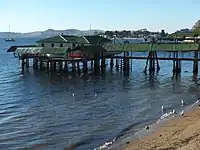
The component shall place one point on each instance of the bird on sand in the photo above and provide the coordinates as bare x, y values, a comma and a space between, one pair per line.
174, 111
182, 113
147, 127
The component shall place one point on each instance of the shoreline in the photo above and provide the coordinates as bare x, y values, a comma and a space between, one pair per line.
180, 132
139, 137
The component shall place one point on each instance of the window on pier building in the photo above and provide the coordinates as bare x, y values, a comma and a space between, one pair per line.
52, 45
42, 44
61, 44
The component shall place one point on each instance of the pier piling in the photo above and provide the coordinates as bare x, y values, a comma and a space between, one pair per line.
66, 66
103, 62
195, 63
74, 66
117, 64
53, 66
48, 63
96, 63
23, 63
41, 65
85, 64
111, 63
60, 66
27, 62
35, 63
92, 64
176, 64
152, 60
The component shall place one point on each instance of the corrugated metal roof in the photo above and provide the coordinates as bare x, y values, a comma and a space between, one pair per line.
30, 50
39, 50
13, 48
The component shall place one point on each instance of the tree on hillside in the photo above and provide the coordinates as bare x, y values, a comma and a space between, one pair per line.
162, 34
196, 28
109, 33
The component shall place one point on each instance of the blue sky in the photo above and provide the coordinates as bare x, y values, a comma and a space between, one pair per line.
37, 15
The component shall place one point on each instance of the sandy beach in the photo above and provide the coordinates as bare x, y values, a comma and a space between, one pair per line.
181, 133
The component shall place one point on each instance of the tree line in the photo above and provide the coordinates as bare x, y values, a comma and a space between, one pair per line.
143, 33
134, 34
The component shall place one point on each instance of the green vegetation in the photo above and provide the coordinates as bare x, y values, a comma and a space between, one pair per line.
180, 35
196, 28
135, 34
186, 32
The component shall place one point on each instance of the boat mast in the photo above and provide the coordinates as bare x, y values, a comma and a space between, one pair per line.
8, 31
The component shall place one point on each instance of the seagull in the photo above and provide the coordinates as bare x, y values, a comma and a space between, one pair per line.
147, 127
182, 103
174, 111
73, 94
114, 140
182, 113
197, 101
162, 107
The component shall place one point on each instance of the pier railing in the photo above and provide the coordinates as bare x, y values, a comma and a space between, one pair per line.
145, 47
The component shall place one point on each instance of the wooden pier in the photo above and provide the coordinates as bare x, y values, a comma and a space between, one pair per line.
95, 51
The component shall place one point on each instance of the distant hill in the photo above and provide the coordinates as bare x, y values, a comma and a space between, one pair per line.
49, 33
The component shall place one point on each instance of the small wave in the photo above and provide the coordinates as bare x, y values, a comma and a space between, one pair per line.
160, 121
127, 129
120, 135
79, 143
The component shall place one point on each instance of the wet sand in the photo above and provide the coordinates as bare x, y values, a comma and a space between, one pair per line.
181, 133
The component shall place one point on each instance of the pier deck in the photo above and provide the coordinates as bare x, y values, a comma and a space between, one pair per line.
145, 47
97, 54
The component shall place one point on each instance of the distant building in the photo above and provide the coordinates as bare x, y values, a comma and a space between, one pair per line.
191, 40
186, 30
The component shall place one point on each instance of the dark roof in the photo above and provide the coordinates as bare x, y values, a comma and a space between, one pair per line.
13, 48
78, 40
68, 37
91, 49
57, 39
95, 40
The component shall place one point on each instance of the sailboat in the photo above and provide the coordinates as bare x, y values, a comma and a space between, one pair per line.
9, 39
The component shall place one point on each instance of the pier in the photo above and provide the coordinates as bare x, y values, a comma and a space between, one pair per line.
62, 52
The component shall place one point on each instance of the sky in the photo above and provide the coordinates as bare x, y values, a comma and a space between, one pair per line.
155, 15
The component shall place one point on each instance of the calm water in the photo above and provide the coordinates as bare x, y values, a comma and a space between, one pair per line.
38, 111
